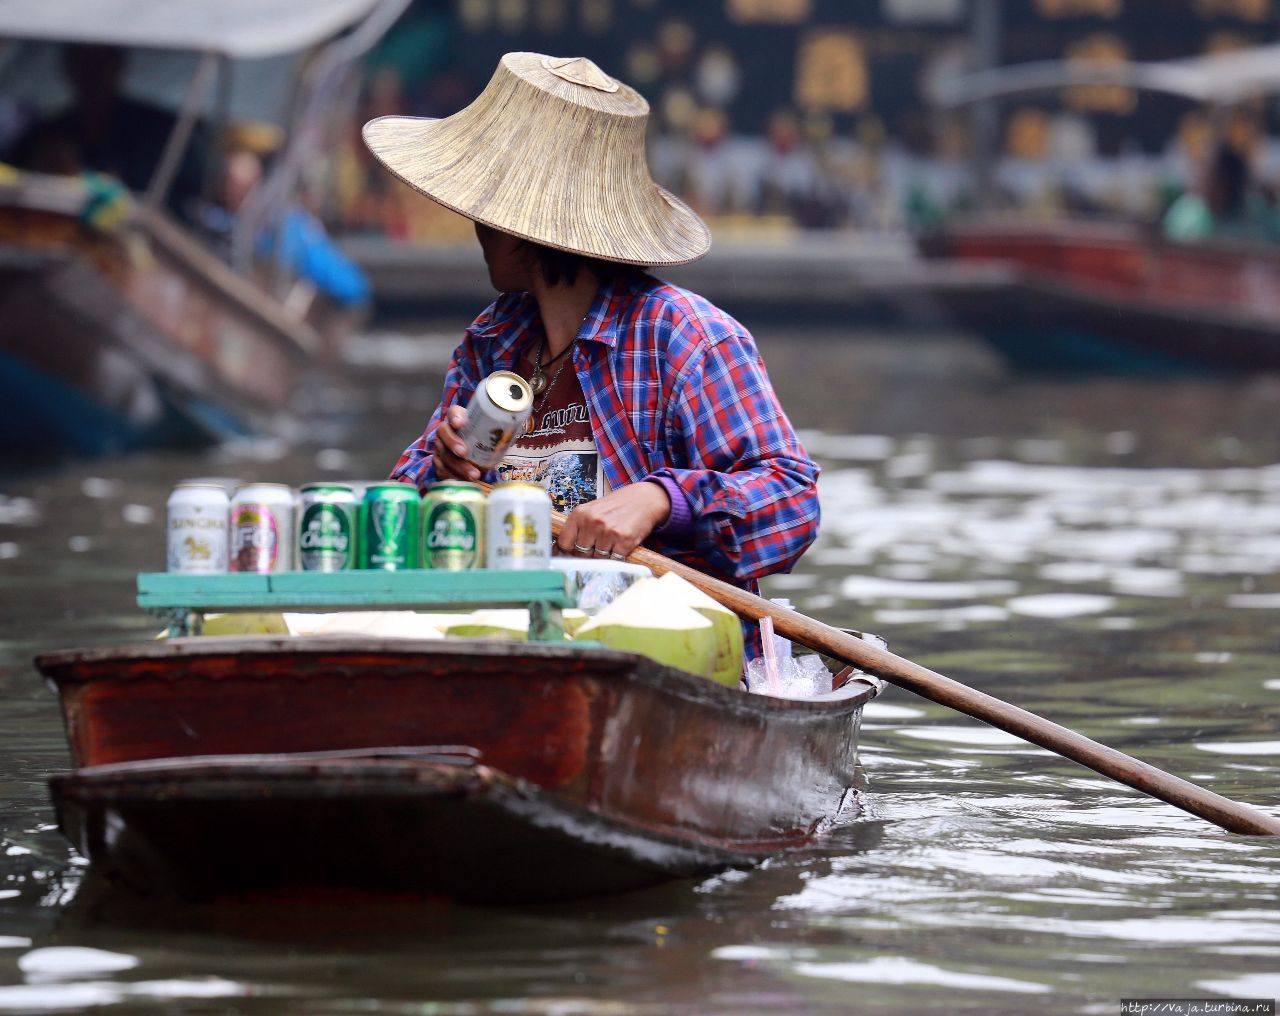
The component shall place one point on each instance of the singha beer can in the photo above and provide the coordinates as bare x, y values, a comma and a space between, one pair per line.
518, 527
197, 528
389, 527
496, 416
453, 526
327, 526
262, 528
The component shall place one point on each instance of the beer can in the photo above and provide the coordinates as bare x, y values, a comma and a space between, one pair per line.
496, 416
327, 527
262, 528
518, 527
389, 527
196, 523
453, 526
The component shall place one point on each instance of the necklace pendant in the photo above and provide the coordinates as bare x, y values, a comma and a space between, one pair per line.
538, 382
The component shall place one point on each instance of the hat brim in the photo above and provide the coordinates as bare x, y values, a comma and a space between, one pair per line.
638, 223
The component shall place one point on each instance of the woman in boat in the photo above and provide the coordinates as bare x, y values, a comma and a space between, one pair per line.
654, 421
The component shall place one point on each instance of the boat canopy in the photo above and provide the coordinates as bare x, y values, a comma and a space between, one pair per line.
1221, 78
238, 29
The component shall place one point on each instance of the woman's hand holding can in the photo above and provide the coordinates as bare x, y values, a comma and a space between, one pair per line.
450, 452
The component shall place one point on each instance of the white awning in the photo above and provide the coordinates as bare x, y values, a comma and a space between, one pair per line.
1220, 78
241, 29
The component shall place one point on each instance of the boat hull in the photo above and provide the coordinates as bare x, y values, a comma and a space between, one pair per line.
247, 825
136, 337
623, 753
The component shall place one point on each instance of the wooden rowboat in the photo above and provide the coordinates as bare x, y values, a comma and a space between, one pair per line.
124, 326
225, 765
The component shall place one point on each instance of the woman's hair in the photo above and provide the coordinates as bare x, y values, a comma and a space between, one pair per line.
561, 267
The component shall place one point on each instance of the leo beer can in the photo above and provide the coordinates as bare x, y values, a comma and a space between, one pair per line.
196, 521
389, 527
262, 528
518, 527
453, 526
498, 412
327, 526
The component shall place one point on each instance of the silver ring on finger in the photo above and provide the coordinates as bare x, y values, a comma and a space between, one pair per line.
600, 552
584, 550
617, 557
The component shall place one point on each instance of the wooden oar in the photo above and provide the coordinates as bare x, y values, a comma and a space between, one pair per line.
1230, 815
1116, 765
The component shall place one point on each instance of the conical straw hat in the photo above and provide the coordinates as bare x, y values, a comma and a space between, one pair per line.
551, 151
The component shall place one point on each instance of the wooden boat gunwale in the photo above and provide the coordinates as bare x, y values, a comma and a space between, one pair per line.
61, 666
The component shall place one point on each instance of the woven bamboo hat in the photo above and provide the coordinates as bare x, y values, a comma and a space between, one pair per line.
552, 151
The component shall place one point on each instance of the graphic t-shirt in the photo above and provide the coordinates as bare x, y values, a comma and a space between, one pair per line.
558, 452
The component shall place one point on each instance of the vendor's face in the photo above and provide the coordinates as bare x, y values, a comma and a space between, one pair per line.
505, 257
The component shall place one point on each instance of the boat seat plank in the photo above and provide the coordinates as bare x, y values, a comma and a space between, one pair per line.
186, 597
353, 589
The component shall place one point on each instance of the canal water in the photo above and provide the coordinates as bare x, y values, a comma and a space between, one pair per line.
1104, 552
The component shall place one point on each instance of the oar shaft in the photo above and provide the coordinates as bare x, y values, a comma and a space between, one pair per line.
1230, 815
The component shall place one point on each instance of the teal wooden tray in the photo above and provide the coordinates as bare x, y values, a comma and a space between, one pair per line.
184, 599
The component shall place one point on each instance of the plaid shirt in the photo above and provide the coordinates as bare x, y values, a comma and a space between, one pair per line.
675, 388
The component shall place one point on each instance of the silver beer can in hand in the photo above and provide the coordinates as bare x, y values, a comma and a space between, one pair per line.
496, 416
262, 528
518, 527
197, 528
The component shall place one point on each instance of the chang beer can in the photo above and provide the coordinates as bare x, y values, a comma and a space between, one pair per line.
262, 528
518, 527
327, 526
453, 526
389, 527
197, 518
496, 416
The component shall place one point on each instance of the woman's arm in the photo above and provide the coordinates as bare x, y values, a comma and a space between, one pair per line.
750, 486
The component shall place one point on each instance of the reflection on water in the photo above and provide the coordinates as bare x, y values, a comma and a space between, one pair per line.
1105, 553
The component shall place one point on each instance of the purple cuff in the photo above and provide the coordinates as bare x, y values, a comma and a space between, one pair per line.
679, 525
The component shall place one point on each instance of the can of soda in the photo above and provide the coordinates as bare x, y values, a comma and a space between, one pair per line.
197, 528
389, 527
518, 527
262, 528
453, 526
496, 416
327, 527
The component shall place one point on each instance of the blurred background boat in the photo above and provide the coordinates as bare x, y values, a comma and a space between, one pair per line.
161, 282
1198, 291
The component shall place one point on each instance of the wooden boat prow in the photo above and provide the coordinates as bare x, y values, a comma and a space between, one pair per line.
614, 770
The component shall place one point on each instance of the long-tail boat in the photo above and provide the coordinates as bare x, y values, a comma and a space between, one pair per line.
479, 770
120, 326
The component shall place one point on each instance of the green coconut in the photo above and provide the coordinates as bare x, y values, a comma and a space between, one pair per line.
573, 620
729, 651
507, 625
442, 622
644, 620
245, 623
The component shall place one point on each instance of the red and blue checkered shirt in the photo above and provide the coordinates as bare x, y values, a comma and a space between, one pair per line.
677, 391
